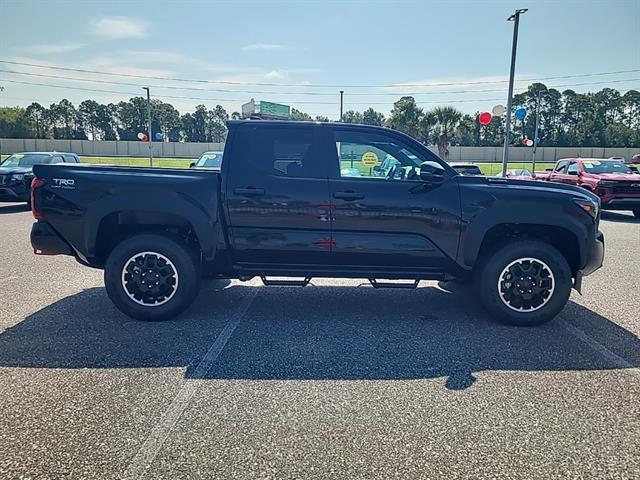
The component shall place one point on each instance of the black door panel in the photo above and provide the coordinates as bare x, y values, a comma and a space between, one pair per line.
383, 214
396, 223
278, 196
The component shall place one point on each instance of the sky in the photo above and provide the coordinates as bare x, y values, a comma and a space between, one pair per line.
302, 53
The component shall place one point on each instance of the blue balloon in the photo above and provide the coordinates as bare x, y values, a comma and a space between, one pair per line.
158, 136
520, 113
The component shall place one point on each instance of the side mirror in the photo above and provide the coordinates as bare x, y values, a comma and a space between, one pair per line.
432, 172
192, 164
548, 169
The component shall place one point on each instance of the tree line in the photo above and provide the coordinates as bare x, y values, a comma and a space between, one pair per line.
113, 121
595, 119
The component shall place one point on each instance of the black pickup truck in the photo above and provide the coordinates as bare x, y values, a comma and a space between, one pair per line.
303, 200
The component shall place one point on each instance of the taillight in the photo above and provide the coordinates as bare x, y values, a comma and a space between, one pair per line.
36, 183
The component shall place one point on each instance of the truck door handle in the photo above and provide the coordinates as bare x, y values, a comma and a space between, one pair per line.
250, 191
348, 195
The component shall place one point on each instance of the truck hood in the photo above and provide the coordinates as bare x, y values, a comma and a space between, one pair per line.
10, 170
616, 177
542, 187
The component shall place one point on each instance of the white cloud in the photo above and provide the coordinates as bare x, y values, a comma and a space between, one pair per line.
262, 46
53, 48
118, 27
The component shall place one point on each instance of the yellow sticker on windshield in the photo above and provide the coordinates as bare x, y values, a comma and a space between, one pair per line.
369, 159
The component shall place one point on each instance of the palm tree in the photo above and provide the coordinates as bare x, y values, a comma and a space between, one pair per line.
447, 120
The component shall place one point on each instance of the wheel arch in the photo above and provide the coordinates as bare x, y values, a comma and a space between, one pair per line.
562, 239
108, 223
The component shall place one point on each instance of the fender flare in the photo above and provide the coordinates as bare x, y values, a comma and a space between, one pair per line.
205, 226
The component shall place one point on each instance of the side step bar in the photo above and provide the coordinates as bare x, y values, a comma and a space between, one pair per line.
376, 284
305, 281
285, 283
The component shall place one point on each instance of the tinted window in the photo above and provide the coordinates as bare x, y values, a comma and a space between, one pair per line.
70, 159
57, 159
561, 167
283, 151
573, 168
368, 155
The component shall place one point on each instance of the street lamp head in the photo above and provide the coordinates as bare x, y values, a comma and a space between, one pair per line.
519, 12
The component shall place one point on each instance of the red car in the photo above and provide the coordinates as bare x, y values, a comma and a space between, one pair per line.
614, 182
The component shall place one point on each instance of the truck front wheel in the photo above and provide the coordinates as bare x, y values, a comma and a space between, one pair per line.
524, 283
151, 277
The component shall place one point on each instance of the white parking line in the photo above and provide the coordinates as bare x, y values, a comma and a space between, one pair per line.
615, 359
152, 445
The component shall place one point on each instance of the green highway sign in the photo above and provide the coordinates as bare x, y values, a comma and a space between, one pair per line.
274, 109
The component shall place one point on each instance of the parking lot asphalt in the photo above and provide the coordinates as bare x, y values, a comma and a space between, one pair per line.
336, 380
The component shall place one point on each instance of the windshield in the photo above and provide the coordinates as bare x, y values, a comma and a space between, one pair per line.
596, 166
210, 159
25, 160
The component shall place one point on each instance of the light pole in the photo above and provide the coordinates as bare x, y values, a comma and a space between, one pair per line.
149, 126
535, 135
515, 18
341, 97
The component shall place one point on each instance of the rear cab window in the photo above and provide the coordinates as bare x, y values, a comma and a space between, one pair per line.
283, 151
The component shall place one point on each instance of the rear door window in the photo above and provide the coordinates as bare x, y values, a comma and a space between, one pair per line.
573, 168
287, 151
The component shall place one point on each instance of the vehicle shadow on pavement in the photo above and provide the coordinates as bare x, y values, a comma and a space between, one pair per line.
619, 217
316, 333
14, 208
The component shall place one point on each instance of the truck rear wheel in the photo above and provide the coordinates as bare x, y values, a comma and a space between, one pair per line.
151, 277
524, 283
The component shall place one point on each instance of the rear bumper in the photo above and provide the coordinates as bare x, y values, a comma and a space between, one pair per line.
45, 241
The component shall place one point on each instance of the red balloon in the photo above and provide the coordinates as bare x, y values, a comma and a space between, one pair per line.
144, 138
485, 118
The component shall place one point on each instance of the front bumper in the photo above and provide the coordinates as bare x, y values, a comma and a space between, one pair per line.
595, 259
13, 195
622, 204
46, 241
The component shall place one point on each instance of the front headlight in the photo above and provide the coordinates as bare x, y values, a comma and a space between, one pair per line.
589, 206
18, 176
605, 183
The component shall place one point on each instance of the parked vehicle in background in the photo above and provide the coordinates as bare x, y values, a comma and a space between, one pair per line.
517, 174
16, 172
282, 207
617, 185
209, 160
466, 168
